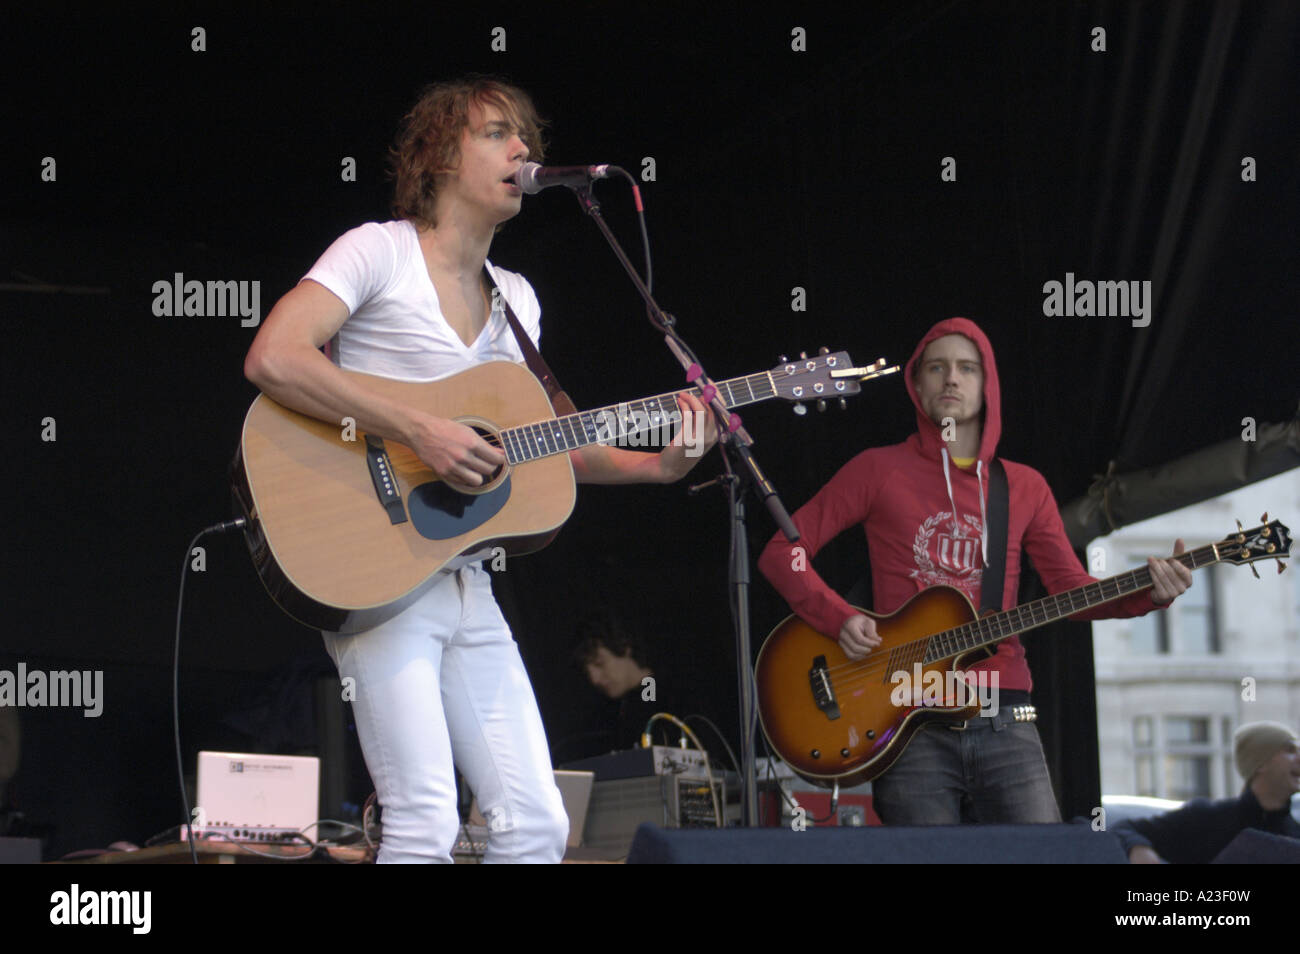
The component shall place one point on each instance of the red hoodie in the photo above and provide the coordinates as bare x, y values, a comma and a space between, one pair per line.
922, 531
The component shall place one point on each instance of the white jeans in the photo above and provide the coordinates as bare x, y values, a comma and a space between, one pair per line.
441, 681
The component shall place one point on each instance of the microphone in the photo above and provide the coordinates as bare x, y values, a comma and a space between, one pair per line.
533, 177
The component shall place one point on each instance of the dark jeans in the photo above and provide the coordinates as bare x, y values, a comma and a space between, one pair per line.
988, 774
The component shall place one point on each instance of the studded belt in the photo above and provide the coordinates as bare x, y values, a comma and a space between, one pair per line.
1006, 715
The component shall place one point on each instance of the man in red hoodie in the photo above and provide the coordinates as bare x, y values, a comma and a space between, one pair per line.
923, 506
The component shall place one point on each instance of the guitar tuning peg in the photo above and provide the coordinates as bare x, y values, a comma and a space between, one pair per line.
1264, 519
1255, 571
844, 405
823, 350
821, 404
800, 409
1280, 566
1239, 526
803, 354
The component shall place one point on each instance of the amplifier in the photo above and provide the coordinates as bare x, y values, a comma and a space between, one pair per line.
471, 842
618, 806
248, 797
640, 763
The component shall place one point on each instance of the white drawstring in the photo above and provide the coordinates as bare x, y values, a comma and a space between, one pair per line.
956, 526
984, 516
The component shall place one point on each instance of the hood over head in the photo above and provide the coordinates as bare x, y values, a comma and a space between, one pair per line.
931, 444
929, 432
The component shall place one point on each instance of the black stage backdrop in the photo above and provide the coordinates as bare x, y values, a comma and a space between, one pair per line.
800, 148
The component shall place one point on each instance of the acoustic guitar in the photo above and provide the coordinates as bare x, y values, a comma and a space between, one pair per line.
833, 719
347, 530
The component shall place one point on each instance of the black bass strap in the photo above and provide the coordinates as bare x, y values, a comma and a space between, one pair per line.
995, 570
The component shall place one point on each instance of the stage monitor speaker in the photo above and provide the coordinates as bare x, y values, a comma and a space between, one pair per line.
937, 844
1253, 847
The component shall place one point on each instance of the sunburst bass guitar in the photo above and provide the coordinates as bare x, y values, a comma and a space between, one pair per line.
834, 719
347, 530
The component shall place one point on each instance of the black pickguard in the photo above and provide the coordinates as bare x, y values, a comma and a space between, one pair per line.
439, 512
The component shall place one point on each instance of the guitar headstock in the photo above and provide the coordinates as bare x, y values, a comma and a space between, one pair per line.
822, 376
1269, 541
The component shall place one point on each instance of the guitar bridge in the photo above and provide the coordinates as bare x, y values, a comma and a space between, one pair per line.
381, 475
823, 694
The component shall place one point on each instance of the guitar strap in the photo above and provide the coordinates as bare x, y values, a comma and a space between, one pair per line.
559, 399
995, 571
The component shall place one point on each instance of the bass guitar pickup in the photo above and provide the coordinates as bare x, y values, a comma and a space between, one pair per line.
822, 692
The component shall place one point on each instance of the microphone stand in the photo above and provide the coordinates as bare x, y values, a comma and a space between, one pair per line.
732, 437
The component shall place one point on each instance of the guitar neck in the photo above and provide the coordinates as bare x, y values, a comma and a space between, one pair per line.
991, 629
618, 422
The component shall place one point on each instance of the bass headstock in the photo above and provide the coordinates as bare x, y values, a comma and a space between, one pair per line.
1269, 541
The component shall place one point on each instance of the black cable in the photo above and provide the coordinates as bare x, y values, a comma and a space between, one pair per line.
718, 732
645, 236
236, 524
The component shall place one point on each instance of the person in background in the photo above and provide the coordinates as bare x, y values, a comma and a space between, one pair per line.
617, 665
1268, 758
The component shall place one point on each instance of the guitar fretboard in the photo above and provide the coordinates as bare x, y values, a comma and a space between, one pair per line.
990, 629
618, 422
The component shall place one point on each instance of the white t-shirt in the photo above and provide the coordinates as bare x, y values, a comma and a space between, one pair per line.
396, 328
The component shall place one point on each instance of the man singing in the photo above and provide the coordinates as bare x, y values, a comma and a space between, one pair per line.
412, 299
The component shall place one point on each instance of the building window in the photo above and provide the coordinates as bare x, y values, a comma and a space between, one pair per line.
1142, 736
1230, 783
1295, 582
1196, 624
1180, 760
1188, 755
1144, 745
1146, 776
1188, 628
